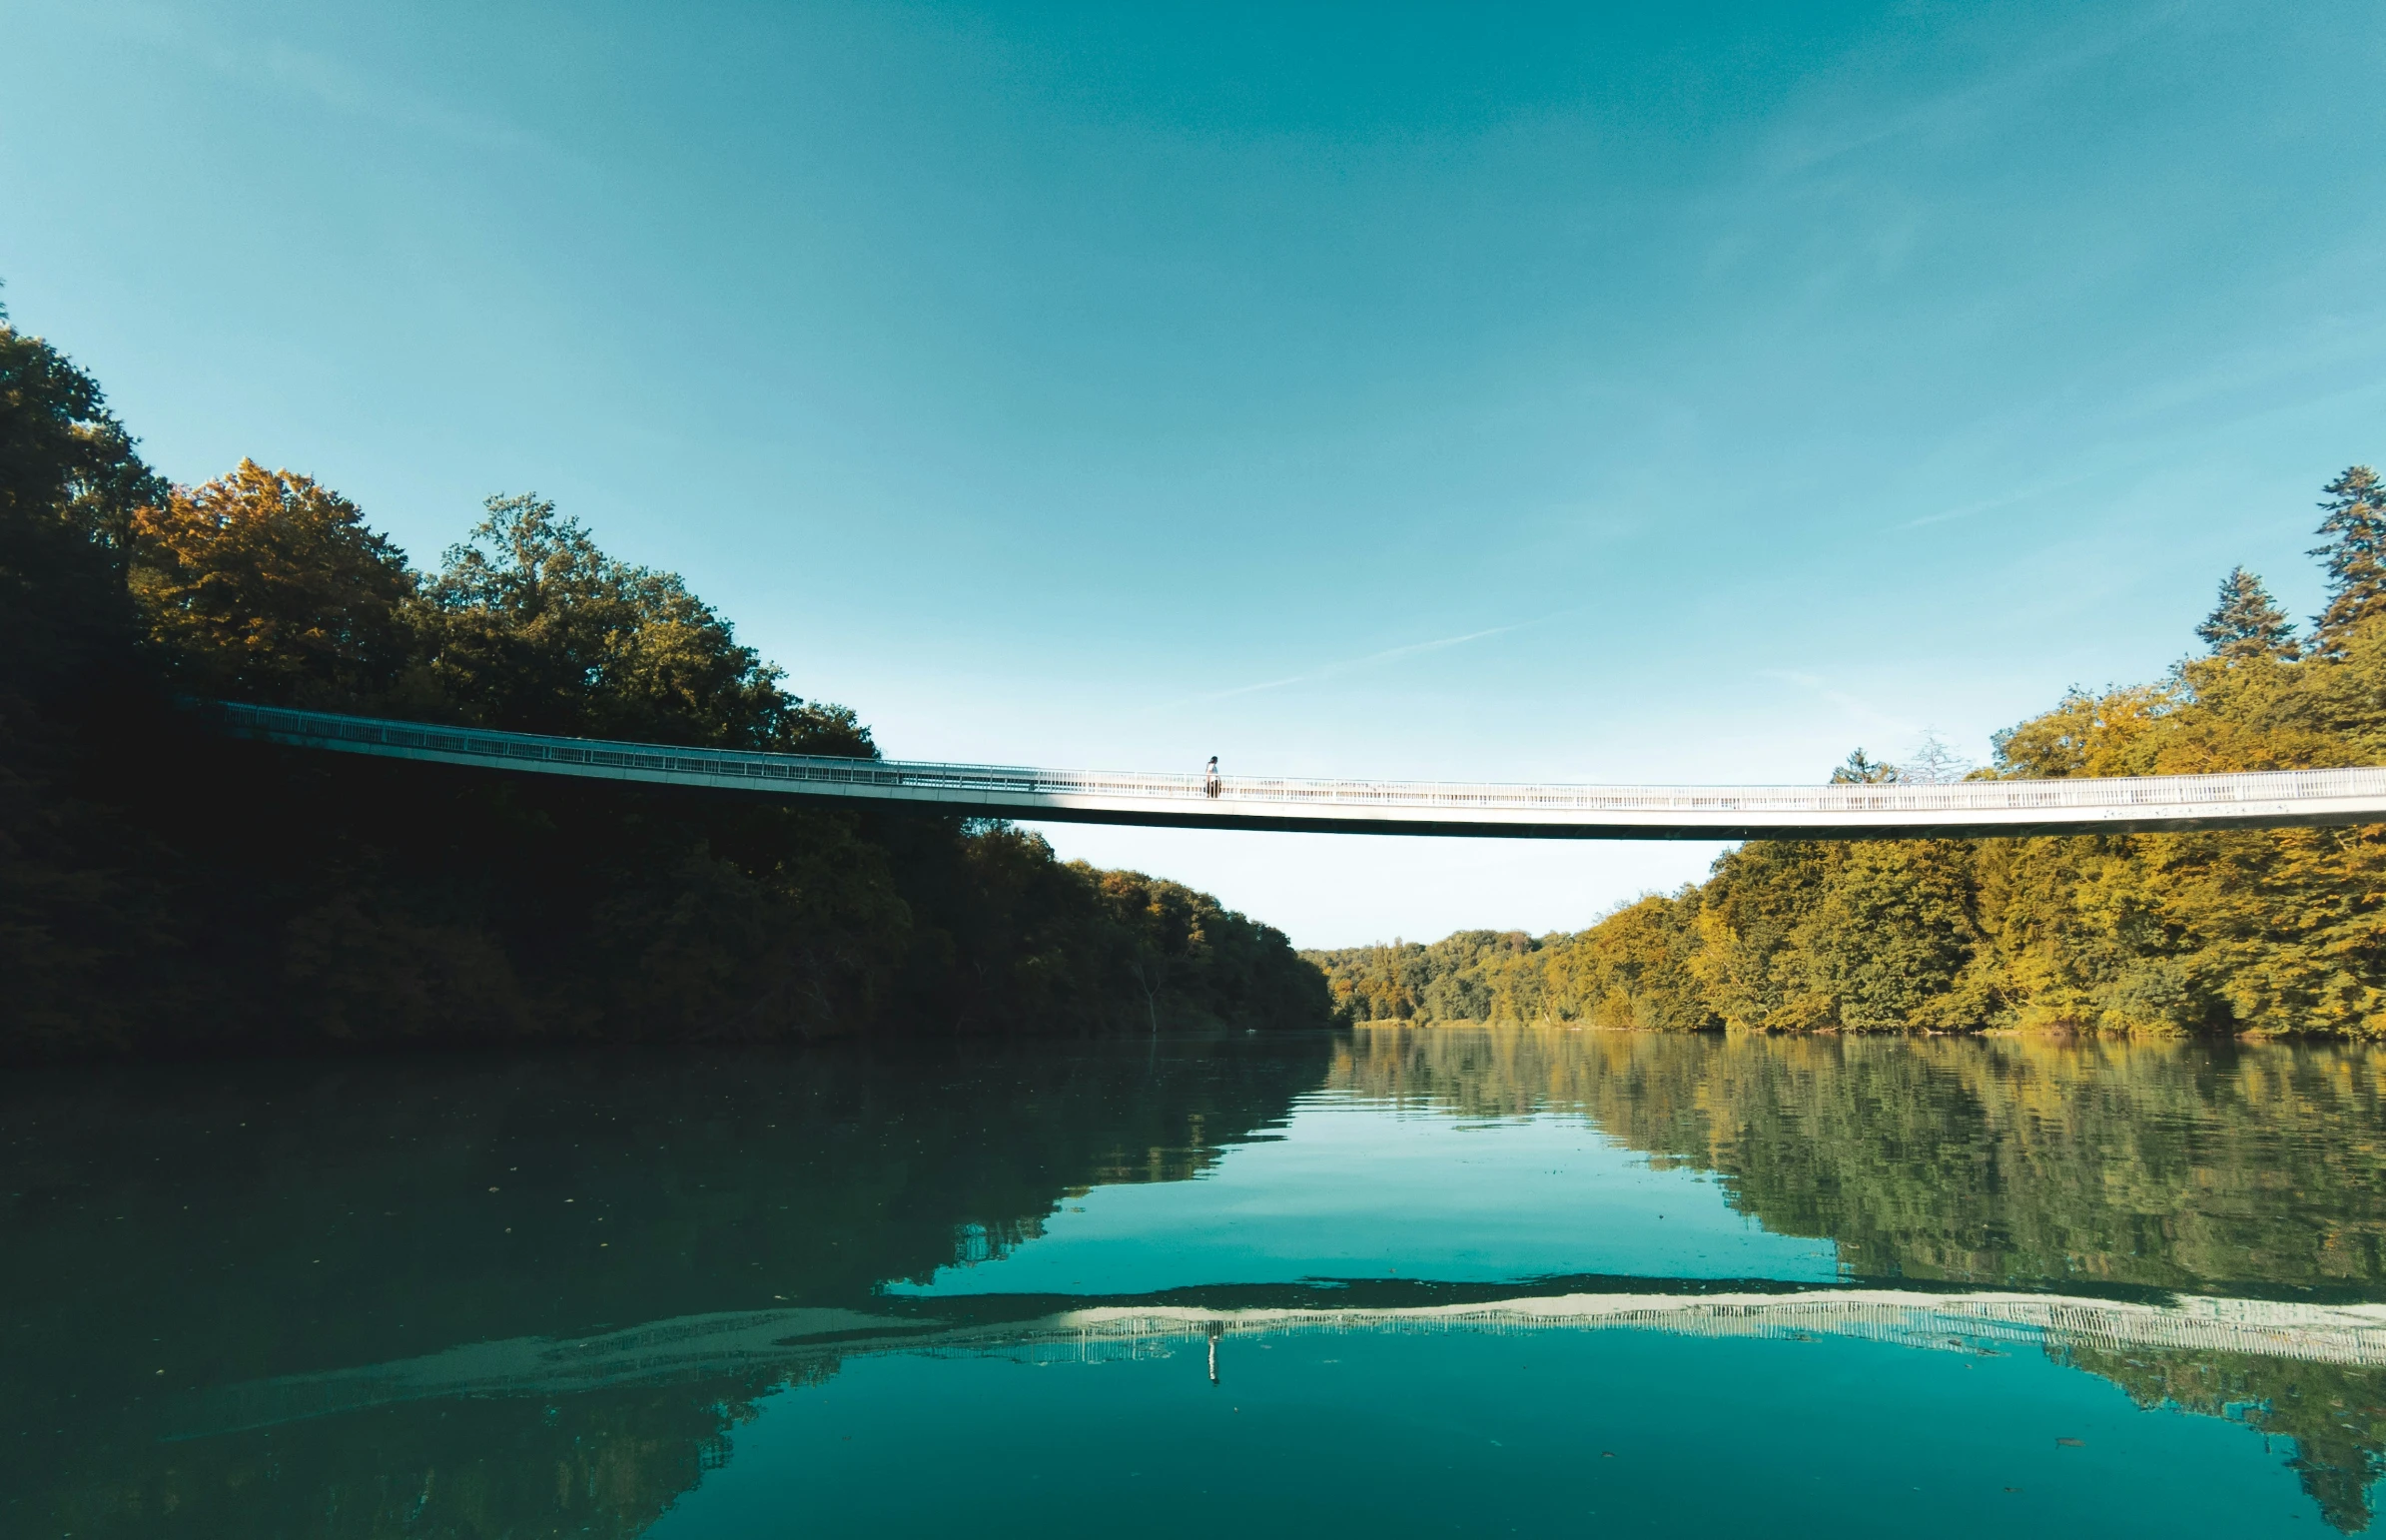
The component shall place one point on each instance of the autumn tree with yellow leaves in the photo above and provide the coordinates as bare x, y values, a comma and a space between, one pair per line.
2272, 931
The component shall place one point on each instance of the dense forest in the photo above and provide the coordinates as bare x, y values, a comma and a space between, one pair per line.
2268, 932
164, 889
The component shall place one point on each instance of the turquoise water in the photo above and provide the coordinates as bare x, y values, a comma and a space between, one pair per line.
1350, 1189
1384, 1433
1458, 1281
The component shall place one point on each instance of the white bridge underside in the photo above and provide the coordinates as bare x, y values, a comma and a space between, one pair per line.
2263, 798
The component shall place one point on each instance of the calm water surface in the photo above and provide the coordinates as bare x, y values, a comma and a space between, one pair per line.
1454, 1282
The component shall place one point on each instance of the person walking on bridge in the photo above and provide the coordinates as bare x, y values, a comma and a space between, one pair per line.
1210, 784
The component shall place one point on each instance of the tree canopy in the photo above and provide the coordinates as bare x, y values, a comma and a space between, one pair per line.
530, 624
2270, 932
165, 888
2245, 624
266, 585
70, 482
2353, 551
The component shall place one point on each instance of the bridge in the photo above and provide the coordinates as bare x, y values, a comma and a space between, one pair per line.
2087, 805
782, 1344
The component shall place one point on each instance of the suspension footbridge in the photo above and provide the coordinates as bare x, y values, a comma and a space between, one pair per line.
2261, 799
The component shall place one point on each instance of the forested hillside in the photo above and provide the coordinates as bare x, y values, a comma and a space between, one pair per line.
2270, 932
164, 889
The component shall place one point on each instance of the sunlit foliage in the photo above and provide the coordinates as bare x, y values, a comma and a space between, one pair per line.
268, 586
2248, 931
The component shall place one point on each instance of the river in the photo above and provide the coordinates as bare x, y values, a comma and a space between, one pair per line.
1388, 1282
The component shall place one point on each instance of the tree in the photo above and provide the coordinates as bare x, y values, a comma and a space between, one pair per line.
83, 924
2354, 554
534, 627
69, 482
268, 585
1888, 933
1862, 770
165, 888
1932, 762
1161, 924
63, 454
2246, 624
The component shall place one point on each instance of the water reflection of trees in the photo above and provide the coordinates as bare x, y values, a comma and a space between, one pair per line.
234, 1225
601, 1463
2001, 1160
173, 1230
2333, 1412
2235, 1169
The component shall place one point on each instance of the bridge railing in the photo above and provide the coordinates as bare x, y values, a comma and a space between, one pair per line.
1026, 786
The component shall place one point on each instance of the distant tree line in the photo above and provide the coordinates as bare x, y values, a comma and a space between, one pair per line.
162, 889
2268, 932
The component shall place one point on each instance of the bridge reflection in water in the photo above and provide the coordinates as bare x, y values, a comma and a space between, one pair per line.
803, 1346
1195, 800
592, 1294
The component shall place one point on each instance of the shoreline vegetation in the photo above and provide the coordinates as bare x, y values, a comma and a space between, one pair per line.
165, 890
2258, 932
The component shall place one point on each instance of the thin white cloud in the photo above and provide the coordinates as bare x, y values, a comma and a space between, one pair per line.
1863, 713
330, 83
1373, 660
1825, 136
1988, 504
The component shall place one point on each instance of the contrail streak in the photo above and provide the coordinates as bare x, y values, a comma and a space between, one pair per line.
1389, 654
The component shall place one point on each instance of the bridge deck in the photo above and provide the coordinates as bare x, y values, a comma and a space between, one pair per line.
2266, 799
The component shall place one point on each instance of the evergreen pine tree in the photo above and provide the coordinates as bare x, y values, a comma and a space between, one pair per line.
2246, 624
2355, 555
1863, 770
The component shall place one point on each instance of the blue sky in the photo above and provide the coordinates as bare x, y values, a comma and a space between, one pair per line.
1658, 393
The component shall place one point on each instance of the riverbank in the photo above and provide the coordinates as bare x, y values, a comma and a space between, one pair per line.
2269, 933
164, 890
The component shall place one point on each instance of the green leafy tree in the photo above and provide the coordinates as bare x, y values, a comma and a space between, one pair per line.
70, 482
84, 920
1883, 949
2246, 624
531, 625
